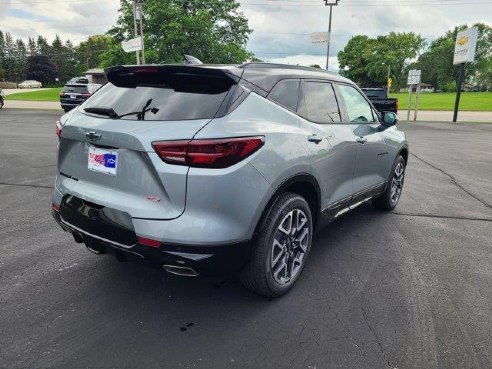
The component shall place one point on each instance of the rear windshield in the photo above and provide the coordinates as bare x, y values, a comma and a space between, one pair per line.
183, 101
375, 93
76, 89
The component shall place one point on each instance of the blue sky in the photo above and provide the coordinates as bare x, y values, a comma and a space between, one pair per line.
282, 28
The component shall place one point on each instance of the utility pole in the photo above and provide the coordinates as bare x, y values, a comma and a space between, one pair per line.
331, 4
388, 79
140, 5
136, 30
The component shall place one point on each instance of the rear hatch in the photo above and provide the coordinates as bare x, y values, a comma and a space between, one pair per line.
106, 154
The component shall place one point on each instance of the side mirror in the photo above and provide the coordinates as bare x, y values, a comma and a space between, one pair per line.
389, 118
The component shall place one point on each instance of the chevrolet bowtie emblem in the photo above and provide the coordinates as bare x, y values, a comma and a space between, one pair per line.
93, 136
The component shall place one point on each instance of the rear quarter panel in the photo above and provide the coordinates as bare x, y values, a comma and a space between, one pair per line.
284, 155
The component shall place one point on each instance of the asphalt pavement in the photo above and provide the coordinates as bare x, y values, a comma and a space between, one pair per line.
408, 289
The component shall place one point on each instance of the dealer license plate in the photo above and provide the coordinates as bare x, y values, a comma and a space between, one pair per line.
103, 161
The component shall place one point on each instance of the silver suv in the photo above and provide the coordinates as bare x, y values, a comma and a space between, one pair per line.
219, 169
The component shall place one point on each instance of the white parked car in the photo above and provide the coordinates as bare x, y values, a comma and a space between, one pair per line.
30, 84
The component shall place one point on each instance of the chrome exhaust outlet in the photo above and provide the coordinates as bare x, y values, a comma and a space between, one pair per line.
181, 271
97, 252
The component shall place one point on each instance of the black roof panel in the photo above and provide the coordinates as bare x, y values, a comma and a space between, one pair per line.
266, 75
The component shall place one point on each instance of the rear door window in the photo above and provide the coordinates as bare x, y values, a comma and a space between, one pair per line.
358, 109
319, 103
182, 101
286, 93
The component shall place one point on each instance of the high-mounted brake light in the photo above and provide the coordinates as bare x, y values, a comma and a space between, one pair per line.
58, 129
214, 153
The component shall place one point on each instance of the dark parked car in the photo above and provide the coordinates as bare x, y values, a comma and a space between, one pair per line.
380, 100
74, 94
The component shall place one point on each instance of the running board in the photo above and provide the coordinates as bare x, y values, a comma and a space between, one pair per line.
351, 207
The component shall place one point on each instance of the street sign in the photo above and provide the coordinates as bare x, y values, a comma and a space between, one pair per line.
414, 77
465, 47
135, 44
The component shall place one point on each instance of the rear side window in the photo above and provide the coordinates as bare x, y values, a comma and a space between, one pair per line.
358, 109
76, 89
286, 93
320, 103
183, 98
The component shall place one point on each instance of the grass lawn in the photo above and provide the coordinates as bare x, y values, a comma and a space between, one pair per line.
51, 94
470, 101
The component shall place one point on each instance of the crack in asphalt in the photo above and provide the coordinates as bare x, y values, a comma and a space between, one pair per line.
444, 217
25, 185
378, 341
453, 179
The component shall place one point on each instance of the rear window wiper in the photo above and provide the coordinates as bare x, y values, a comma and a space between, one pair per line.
108, 112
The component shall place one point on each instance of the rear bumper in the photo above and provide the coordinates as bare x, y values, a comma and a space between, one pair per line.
204, 260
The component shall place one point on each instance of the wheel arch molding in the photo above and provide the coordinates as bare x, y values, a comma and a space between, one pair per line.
303, 184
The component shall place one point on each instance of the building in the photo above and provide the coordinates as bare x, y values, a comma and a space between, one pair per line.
96, 76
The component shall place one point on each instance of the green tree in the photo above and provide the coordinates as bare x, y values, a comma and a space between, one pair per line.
214, 31
32, 48
42, 46
9, 57
89, 52
20, 59
40, 68
366, 60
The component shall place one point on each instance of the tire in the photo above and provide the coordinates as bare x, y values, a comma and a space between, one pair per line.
269, 277
388, 200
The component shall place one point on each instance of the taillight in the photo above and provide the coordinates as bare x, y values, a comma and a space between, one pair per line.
58, 129
85, 95
62, 94
215, 153
397, 106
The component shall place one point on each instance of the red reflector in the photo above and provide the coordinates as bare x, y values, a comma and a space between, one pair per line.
148, 242
58, 129
216, 153
55, 207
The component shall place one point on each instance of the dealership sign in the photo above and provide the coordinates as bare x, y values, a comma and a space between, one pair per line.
466, 44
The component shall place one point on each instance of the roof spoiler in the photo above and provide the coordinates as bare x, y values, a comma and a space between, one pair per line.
158, 75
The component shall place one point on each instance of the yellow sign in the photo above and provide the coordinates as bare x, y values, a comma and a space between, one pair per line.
463, 40
390, 82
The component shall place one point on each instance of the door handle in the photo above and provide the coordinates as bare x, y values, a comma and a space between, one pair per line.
315, 138
361, 140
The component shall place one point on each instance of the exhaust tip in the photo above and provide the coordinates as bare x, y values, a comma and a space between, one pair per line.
181, 271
